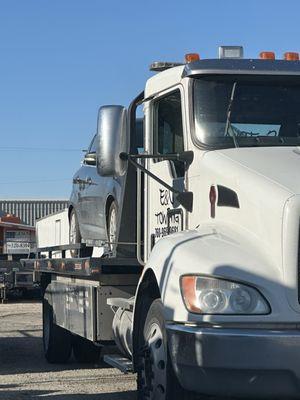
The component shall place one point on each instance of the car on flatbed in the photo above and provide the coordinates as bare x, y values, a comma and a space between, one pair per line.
95, 201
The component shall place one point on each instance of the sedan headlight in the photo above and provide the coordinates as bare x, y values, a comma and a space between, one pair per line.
206, 295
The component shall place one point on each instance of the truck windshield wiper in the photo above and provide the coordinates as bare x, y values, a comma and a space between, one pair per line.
229, 109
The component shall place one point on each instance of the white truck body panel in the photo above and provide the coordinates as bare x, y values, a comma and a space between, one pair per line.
53, 230
240, 241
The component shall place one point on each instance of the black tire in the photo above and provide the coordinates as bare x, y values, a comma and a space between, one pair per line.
57, 341
156, 379
75, 237
112, 221
85, 351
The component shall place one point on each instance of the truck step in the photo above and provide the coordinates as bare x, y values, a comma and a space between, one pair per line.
120, 362
126, 304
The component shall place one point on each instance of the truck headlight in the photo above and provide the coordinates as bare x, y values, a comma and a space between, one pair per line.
206, 295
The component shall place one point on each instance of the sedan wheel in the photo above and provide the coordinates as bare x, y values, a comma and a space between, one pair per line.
75, 238
112, 228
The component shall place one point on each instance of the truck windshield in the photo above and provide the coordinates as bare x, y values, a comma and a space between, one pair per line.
242, 111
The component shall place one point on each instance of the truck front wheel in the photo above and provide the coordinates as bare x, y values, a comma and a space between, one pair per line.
156, 378
57, 341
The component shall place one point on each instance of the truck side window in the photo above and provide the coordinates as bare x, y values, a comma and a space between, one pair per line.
168, 132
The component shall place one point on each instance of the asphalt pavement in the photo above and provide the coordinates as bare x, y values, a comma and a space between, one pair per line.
25, 374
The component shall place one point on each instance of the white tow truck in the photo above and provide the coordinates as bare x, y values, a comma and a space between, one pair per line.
202, 292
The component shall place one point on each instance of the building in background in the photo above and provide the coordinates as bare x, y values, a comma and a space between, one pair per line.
16, 239
30, 210
17, 242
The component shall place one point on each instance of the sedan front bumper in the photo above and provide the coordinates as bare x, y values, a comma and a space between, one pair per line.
236, 362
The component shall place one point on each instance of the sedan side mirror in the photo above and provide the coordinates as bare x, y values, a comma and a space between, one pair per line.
90, 159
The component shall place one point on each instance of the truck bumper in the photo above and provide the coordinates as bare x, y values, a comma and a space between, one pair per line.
236, 362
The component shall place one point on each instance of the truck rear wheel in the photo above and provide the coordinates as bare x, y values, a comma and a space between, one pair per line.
155, 376
57, 341
85, 351
75, 238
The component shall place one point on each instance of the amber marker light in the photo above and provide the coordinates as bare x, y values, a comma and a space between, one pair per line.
267, 55
188, 285
291, 56
190, 57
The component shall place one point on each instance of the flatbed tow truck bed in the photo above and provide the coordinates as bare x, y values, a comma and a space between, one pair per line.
84, 267
82, 292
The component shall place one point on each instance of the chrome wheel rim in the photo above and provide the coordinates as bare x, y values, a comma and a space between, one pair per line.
154, 364
73, 231
112, 228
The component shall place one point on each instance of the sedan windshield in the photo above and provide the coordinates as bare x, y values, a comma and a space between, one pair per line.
243, 111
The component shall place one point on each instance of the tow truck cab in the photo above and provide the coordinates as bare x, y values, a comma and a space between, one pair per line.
216, 228
229, 282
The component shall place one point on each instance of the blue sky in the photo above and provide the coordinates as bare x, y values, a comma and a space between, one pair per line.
61, 59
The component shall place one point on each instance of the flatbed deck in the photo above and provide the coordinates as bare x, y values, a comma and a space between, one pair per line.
84, 267
89, 267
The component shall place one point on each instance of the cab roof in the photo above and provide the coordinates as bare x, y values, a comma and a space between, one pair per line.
163, 80
172, 76
242, 66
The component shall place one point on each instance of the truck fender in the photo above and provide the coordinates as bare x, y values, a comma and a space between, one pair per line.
222, 253
147, 292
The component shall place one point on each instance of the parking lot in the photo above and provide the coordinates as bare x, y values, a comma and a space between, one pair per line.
24, 373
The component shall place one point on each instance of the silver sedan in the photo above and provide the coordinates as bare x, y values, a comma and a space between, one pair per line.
95, 203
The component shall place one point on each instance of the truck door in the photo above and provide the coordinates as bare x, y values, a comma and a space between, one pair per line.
164, 215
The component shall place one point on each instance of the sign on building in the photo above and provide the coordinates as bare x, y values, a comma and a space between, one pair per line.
17, 242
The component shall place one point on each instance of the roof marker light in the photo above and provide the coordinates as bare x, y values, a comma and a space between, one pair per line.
231, 52
190, 57
291, 56
159, 66
267, 55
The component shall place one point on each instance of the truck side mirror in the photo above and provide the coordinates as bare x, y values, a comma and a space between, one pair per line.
112, 139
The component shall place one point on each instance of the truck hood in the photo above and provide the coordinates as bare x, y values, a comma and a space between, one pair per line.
280, 165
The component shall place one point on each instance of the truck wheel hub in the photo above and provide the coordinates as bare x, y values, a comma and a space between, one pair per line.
154, 360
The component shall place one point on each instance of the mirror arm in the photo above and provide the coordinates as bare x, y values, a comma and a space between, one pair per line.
185, 198
186, 156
